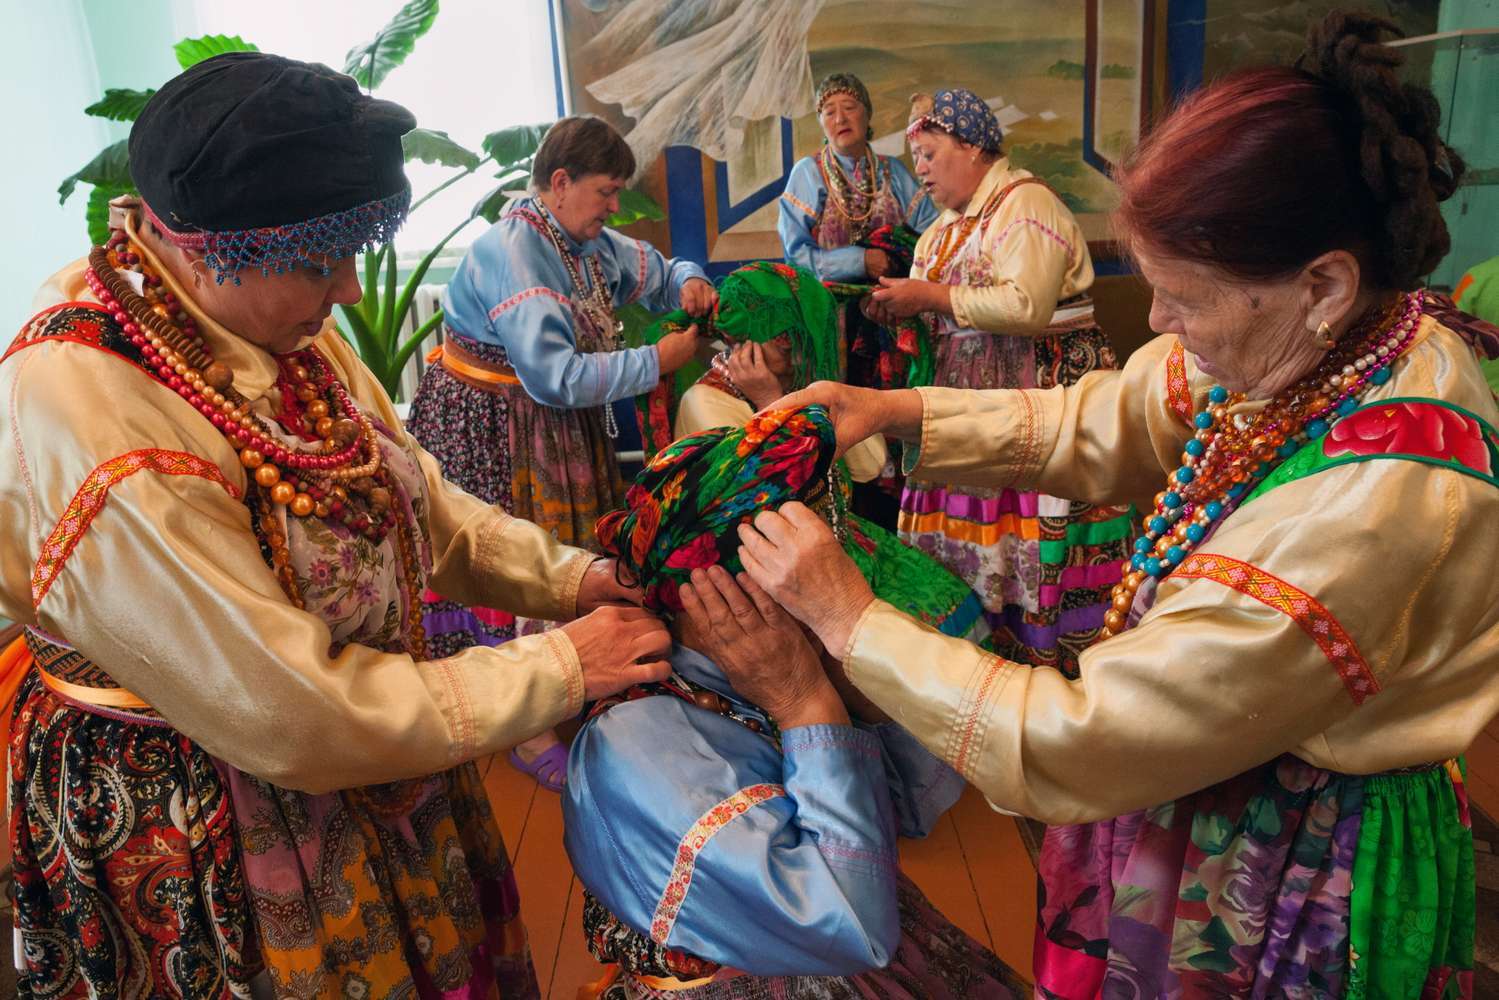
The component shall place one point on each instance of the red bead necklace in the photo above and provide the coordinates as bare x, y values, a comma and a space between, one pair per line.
340, 477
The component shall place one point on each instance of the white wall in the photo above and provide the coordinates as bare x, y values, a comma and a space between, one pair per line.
485, 64
50, 77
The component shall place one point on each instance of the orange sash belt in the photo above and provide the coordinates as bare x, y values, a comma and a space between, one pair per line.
115, 697
472, 370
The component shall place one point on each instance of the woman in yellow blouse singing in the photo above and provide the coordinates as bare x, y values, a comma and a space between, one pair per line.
231, 772
1259, 764
1003, 277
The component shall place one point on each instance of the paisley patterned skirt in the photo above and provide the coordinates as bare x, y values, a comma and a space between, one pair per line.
127, 873
1042, 566
145, 868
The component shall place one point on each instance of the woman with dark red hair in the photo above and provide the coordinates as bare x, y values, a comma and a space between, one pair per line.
1256, 776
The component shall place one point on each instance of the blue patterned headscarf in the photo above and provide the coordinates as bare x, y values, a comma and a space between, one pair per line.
963, 115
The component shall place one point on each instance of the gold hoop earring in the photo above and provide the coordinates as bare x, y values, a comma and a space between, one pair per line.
1324, 338
198, 275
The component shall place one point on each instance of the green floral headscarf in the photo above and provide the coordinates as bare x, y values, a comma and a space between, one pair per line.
683, 511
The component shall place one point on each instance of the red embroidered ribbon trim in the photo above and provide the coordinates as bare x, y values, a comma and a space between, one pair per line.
1315, 620
89, 500
704, 830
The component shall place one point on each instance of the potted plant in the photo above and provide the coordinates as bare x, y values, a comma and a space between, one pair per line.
377, 325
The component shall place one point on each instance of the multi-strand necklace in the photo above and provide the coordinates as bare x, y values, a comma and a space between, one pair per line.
1231, 452
845, 191
339, 477
594, 298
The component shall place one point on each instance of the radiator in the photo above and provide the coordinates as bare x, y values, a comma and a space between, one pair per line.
426, 301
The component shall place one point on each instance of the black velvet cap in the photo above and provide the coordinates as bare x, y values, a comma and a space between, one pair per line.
250, 140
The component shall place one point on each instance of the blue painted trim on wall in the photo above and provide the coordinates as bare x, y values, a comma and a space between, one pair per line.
556, 58
685, 211
1186, 23
732, 215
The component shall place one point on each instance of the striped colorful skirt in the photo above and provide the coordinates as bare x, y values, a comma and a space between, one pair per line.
1042, 566
1286, 881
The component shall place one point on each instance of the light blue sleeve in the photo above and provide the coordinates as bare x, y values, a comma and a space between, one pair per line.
696, 832
920, 212
641, 273
800, 205
514, 291
922, 787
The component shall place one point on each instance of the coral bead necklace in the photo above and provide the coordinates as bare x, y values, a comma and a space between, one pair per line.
340, 476
1230, 453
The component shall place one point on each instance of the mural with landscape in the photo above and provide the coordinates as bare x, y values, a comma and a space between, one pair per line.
721, 75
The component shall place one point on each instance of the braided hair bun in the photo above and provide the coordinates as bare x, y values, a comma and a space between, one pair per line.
1402, 159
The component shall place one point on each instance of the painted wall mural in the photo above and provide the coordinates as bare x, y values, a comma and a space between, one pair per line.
715, 96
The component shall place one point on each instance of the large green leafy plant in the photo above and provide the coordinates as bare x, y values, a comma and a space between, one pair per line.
377, 324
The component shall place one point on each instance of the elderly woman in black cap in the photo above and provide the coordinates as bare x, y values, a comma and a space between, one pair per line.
231, 772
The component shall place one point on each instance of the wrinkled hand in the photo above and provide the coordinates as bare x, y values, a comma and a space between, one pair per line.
764, 654
619, 647
903, 297
748, 370
876, 312
792, 554
698, 296
876, 263
601, 588
858, 412
676, 349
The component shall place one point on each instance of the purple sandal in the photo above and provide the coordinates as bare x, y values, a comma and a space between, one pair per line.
549, 768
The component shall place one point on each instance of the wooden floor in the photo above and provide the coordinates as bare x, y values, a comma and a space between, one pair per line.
975, 868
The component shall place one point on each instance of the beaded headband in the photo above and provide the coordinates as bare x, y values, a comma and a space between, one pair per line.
963, 115
278, 249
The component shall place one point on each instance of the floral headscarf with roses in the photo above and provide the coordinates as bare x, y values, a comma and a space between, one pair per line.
682, 510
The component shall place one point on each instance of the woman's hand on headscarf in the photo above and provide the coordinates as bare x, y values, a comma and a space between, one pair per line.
794, 557
698, 297
761, 650
857, 412
905, 297
619, 648
752, 376
601, 588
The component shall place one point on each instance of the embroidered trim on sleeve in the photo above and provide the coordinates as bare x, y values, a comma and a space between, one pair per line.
1315, 620
528, 293
798, 204
707, 826
1056, 237
89, 500
970, 723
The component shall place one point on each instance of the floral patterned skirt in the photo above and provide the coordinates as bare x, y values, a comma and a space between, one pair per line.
387, 891
1042, 566
1286, 881
935, 960
552, 466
